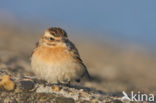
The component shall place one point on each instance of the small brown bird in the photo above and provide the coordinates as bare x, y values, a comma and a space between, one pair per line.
56, 59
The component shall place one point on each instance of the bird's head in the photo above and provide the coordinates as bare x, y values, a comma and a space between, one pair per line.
53, 36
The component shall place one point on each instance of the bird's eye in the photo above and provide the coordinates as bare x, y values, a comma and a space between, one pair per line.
51, 38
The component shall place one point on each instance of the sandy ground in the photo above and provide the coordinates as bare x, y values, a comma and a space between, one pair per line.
115, 68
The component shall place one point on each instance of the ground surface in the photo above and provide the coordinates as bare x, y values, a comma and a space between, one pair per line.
32, 90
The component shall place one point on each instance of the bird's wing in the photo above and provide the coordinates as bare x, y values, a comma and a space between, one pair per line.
71, 47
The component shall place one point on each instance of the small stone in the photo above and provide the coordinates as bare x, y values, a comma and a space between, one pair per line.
56, 88
44, 96
64, 100
81, 90
7, 83
27, 85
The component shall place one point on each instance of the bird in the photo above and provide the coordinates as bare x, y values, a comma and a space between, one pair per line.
56, 59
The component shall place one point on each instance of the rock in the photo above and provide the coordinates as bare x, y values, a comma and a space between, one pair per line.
27, 85
64, 100
7, 83
56, 88
32, 90
45, 96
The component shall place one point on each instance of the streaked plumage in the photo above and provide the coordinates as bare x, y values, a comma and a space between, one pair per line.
56, 59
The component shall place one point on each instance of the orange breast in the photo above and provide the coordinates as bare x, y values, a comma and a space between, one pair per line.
55, 54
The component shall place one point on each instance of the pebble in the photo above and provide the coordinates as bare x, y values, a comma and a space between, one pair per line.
64, 100
27, 85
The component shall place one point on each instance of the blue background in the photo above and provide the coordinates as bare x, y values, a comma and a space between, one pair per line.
131, 20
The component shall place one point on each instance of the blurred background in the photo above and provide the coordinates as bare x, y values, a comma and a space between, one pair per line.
116, 38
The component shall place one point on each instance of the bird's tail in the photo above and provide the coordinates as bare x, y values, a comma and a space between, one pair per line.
88, 75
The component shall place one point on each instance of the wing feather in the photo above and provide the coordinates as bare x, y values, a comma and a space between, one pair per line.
72, 48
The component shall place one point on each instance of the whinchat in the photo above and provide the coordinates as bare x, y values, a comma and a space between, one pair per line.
56, 59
